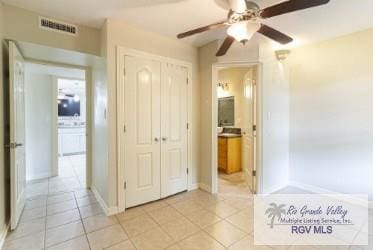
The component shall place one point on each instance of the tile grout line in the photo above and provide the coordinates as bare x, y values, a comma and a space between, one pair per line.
81, 221
47, 196
46, 219
185, 217
204, 229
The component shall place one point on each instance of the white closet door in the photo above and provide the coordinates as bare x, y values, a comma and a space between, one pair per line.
142, 117
174, 129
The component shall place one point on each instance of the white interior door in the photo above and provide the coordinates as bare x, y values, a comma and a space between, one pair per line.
142, 117
247, 129
174, 160
17, 134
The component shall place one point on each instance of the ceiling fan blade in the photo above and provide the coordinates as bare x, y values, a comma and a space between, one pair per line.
274, 34
290, 6
225, 46
202, 29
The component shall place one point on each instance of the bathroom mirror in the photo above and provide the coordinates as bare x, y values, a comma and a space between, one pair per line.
226, 111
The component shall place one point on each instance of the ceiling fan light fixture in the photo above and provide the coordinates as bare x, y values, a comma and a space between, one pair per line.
238, 31
243, 31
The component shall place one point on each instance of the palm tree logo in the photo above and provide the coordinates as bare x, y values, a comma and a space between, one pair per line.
275, 211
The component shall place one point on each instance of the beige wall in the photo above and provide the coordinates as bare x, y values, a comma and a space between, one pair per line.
4, 172
99, 129
100, 123
235, 78
331, 114
23, 25
273, 120
119, 33
206, 59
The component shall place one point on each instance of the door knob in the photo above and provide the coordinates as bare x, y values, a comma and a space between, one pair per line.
156, 139
164, 138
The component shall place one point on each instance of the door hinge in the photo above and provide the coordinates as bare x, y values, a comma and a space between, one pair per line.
254, 173
187, 170
124, 71
187, 125
13, 145
254, 127
187, 80
125, 185
124, 128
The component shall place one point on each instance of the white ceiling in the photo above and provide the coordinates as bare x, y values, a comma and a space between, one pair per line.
55, 71
71, 85
169, 17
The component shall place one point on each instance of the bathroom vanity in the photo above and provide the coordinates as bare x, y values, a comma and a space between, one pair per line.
229, 152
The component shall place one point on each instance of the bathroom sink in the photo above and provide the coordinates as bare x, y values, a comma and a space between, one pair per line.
229, 135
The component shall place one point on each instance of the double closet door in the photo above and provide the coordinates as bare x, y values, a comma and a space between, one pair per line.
156, 130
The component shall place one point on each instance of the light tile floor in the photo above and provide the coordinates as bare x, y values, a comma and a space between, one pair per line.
233, 184
71, 176
73, 166
72, 219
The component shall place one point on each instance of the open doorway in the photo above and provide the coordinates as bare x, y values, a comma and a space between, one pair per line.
43, 80
236, 130
71, 100
55, 122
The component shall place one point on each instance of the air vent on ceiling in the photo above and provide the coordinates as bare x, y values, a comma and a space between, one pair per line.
58, 26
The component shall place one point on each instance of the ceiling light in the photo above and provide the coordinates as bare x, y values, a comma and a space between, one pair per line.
243, 31
282, 54
76, 98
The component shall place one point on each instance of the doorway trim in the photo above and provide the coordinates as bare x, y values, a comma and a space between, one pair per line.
121, 135
257, 183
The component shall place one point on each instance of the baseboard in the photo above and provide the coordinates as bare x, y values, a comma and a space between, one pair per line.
319, 190
39, 176
204, 187
311, 188
275, 188
107, 210
3, 235
193, 186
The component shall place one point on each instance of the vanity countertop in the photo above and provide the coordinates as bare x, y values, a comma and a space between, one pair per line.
229, 135
71, 127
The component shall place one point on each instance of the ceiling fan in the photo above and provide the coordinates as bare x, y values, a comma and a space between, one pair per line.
243, 21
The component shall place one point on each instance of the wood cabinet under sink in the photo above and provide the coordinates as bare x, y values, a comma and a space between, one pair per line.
229, 154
